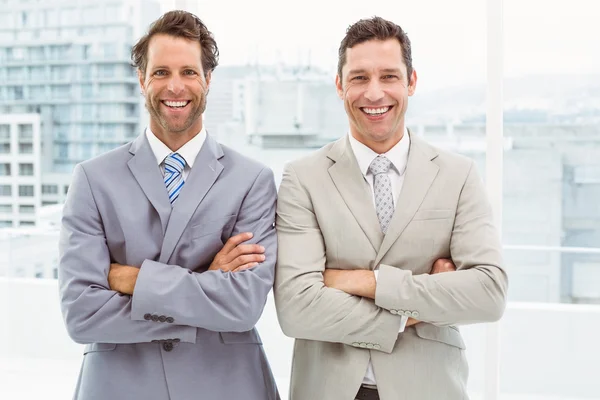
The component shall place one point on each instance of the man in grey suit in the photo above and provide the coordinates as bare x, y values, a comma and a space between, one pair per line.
360, 224
168, 245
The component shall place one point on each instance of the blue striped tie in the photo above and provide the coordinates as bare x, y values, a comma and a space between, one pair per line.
174, 165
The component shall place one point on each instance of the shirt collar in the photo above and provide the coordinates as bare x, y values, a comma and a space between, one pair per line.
398, 154
188, 151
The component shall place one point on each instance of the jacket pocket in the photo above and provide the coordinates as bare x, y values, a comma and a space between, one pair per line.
444, 334
95, 347
248, 337
214, 225
433, 214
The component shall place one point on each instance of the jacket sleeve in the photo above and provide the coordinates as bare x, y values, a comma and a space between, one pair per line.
476, 292
216, 300
306, 308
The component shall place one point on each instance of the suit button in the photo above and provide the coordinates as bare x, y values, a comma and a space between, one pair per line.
155, 318
415, 314
370, 345
356, 344
376, 346
363, 345
168, 346
147, 317
395, 312
407, 313
176, 340
162, 318
170, 320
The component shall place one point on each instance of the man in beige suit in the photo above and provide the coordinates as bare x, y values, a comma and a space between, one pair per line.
360, 224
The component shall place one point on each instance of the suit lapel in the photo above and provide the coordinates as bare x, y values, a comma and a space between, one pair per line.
355, 191
207, 169
147, 173
419, 175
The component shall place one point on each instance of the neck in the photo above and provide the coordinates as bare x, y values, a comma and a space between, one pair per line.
175, 140
382, 146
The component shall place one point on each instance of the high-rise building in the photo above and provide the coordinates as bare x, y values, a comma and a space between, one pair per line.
69, 62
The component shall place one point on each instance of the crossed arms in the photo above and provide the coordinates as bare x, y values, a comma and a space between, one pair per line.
94, 296
310, 307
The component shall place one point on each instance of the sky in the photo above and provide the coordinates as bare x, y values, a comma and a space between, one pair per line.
448, 37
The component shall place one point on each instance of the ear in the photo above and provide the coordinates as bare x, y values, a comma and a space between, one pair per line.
141, 78
338, 85
413, 83
208, 78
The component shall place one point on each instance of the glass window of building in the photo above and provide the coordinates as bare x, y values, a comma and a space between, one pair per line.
25, 132
26, 209
25, 148
5, 190
6, 223
49, 189
5, 169
26, 191
26, 169
6, 208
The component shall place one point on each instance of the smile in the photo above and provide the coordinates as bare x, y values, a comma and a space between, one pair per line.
176, 104
376, 111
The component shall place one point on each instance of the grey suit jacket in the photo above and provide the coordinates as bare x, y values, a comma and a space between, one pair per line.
326, 219
186, 333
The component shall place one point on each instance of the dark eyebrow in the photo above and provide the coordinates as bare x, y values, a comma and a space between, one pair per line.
184, 67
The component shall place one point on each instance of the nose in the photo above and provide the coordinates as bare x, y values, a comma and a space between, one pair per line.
374, 91
175, 84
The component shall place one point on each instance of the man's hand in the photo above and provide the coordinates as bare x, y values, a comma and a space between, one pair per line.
358, 282
442, 265
235, 257
122, 278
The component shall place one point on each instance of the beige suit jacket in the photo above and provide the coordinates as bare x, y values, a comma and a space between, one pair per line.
326, 219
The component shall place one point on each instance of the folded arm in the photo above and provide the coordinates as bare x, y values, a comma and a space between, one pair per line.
217, 300
306, 308
476, 292
92, 312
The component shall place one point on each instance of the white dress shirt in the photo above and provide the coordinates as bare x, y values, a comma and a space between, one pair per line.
188, 151
398, 155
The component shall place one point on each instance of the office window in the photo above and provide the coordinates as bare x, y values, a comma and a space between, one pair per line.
26, 148
6, 223
66, 189
106, 71
60, 72
4, 132
61, 91
6, 208
49, 203
37, 73
25, 132
26, 169
5, 190
49, 189
5, 169
26, 191
26, 209
37, 53
37, 92
26, 223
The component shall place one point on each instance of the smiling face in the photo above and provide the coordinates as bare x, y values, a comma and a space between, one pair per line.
375, 87
174, 86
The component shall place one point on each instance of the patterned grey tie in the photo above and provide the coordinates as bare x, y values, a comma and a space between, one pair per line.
382, 185
174, 165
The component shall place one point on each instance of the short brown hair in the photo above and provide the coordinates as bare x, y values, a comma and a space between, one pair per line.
180, 24
375, 28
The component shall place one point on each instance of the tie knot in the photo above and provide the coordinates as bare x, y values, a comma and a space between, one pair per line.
174, 163
380, 165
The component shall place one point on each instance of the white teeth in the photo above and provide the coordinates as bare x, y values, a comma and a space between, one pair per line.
375, 111
176, 103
